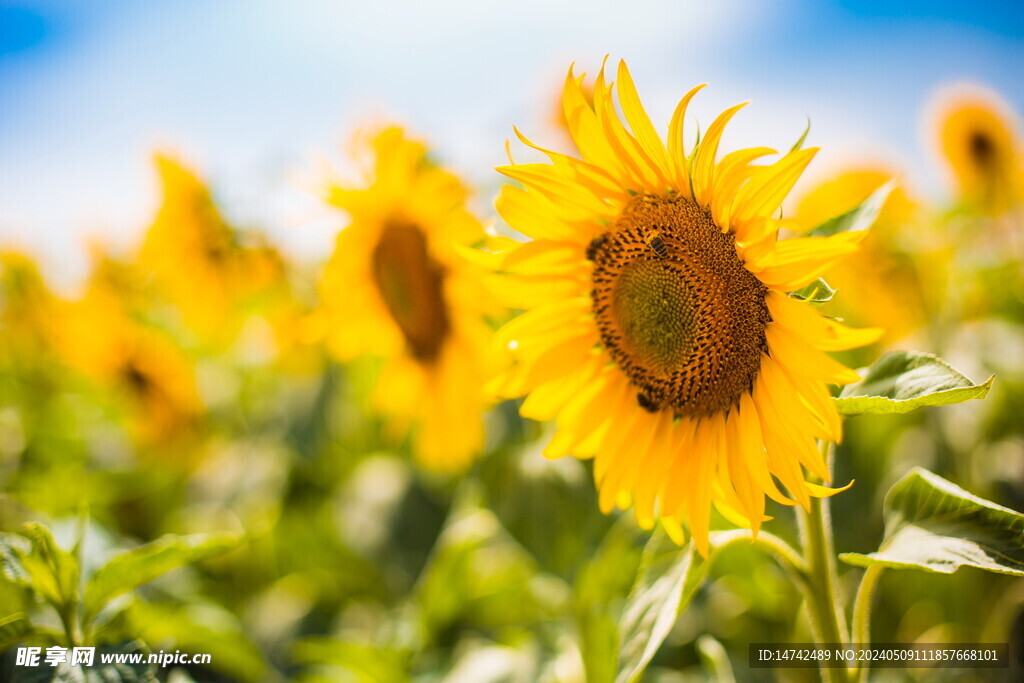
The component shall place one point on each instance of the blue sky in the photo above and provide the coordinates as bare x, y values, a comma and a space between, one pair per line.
255, 93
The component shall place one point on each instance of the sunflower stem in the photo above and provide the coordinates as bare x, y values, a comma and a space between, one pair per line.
827, 617
862, 613
783, 553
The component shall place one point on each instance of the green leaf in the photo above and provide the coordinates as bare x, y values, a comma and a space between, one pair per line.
494, 574
668, 578
11, 553
364, 660
53, 572
817, 292
14, 596
858, 218
599, 590
715, 659
13, 629
934, 525
902, 381
133, 568
599, 639
195, 626
546, 505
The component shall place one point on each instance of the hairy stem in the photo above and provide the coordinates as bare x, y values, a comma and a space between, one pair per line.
825, 606
862, 612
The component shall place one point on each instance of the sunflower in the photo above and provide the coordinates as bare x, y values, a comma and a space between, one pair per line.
103, 335
978, 140
206, 269
397, 287
659, 333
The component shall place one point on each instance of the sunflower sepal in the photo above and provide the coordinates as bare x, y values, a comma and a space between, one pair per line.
803, 137
860, 217
903, 381
816, 293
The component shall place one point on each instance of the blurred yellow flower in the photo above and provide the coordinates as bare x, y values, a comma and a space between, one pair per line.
979, 141
397, 287
104, 336
882, 284
27, 306
199, 263
659, 332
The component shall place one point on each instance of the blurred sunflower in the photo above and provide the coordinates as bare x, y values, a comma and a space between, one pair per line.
978, 140
27, 306
659, 332
103, 335
887, 281
202, 265
397, 287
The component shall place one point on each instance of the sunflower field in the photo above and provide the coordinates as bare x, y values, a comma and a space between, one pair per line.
642, 403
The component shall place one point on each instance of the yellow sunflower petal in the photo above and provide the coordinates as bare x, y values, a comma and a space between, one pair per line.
804, 359
826, 334
819, 491
585, 129
635, 452
575, 200
704, 473
547, 400
644, 172
703, 170
798, 262
732, 172
532, 215
763, 194
676, 152
652, 472
582, 415
640, 123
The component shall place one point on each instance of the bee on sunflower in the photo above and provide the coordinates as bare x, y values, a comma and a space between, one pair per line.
658, 331
397, 287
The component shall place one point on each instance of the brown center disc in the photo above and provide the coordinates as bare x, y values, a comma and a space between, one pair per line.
983, 149
676, 308
411, 283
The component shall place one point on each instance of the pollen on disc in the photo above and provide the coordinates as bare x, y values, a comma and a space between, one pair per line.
676, 308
